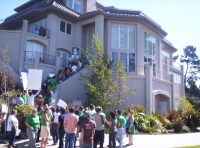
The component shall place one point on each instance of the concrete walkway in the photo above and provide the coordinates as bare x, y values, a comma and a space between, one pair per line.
141, 141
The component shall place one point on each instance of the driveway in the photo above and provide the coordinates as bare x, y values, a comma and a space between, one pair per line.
141, 141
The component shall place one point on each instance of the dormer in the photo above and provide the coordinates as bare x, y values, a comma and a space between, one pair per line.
81, 6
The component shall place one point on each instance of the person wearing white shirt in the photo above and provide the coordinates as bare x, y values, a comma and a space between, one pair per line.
12, 127
31, 98
74, 68
56, 114
14, 102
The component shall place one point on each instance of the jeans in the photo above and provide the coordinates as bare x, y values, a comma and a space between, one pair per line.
32, 136
12, 138
69, 140
85, 145
54, 132
112, 142
120, 136
61, 138
99, 136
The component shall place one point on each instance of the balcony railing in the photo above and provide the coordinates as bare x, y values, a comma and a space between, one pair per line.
44, 58
175, 64
47, 59
162, 75
43, 32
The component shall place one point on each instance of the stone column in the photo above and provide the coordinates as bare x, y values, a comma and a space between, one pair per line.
172, 102
139, 50
148, 101
182, 81
37, 60
99, 26
57, 64
23, 43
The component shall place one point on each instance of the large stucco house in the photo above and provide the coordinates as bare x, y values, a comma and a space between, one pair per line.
42, 34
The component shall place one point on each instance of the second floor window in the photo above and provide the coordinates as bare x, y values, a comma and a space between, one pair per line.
75, 5
31, 48
149, 44
123, 37
65, 27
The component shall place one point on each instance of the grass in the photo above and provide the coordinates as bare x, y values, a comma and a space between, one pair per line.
197, 146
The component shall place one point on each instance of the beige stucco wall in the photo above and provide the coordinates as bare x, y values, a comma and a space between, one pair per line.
12, 39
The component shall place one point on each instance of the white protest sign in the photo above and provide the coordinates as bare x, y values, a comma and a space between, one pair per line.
76, 102
18, 132
4, 108
62, 104
34, 79
24, 80
51, 75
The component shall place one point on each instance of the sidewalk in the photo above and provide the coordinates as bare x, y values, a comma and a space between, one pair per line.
141, 141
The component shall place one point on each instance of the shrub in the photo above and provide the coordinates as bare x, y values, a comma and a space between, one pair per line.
173, 115
22, 113
152, 121
139, 109
178, 126
169, 125
149, 129
186, 129
160, 117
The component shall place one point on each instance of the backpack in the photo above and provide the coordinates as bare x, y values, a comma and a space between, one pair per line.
135, 123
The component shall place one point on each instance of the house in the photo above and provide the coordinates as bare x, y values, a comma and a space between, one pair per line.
42, 35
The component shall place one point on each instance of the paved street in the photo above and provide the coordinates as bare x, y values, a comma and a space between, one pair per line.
143, 141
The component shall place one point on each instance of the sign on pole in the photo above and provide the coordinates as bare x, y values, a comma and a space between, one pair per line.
34, 79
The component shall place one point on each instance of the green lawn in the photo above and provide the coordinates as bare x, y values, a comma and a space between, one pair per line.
197, 146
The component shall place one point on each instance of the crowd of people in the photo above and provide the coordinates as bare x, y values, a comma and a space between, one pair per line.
87, 125
71, 69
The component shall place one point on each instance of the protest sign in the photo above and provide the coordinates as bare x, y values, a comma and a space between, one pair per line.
24, 80
4, 108
62, 104
34, 79
76, 102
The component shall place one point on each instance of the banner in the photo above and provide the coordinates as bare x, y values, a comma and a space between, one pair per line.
34, 79
62, 104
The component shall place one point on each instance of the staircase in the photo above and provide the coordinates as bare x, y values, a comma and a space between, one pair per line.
70, 90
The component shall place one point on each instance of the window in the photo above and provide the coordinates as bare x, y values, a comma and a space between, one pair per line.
63, 58
30, 51
177, 77
65, 27
75, 5
90, 39
149, 44
123, 37
127, 59
164, 55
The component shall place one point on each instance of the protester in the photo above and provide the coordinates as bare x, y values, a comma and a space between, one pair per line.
120, 129
92, 110
129, 124
126, 117
60, 128
19, 100
88, 130
31, 97
45, 131
99, 131
14, 100
24, 96
48, 98
70, 123
74, 68
32, 123
54, 132
80, 111
12, 126
113, 130
39, 102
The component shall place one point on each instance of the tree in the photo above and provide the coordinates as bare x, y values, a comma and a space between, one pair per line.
98, 82
120, 78
6, 84
192, 63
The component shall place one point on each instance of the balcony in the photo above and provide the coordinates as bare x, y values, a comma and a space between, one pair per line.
40, 31
171, 62
43, 58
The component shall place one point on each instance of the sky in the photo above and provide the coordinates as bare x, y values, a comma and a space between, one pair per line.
179, 18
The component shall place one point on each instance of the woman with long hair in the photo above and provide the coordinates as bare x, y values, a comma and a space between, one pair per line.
45, 131
130, 129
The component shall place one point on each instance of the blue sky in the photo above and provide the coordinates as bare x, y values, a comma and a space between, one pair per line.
179, 18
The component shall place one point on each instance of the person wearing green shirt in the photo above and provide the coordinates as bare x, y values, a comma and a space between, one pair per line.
32, 123
92, 110
120, 129
80, 111
24, 96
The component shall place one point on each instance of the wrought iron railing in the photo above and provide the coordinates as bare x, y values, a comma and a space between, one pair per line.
47, 59
39, 30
